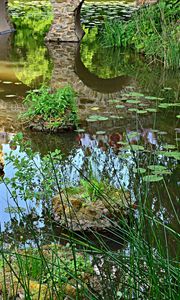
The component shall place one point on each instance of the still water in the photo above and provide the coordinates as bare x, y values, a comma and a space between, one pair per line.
111, 115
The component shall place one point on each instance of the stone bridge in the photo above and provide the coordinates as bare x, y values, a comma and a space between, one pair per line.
66, 26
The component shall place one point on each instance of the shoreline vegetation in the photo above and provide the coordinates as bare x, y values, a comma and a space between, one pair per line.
153, 30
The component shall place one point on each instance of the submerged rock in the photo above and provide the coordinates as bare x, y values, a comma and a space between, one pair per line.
77, 213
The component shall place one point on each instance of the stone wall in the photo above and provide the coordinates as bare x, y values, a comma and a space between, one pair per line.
66, 26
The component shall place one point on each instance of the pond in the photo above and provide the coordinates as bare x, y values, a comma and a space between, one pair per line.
128, 110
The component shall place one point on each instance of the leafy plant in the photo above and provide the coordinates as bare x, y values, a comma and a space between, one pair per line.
53, 109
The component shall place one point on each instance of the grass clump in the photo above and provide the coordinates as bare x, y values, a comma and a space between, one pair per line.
153, 30
50, 110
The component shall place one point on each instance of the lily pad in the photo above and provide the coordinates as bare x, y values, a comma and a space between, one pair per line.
141, 111
133, 101
173, 154
152, 110
152, 178
151, 98
135, 148
134, 94
80, 130
120, 106
139, 170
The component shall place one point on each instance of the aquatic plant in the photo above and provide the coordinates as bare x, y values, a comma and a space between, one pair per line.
51, 110
153, 31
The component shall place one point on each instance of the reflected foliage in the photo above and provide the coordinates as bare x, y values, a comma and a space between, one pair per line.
32, 21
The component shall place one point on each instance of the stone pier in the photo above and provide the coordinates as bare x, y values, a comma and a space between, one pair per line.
66, 25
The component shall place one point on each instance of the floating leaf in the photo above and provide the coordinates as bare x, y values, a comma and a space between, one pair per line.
10, 96
132, 109
178, 116
133, 101
80, 130
151, 110
156, 168
135, 147
116, 117
151, 98
141, 111
103, 118
134, 94
173, 154
139, 170
120, 106
152, 178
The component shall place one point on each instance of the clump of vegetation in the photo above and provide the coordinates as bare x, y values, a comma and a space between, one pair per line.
49, 110
153, 30
41, 273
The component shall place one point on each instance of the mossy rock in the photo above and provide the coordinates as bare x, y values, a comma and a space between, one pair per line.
79, 214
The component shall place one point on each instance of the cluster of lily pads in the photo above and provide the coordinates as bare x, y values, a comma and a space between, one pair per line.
96, 13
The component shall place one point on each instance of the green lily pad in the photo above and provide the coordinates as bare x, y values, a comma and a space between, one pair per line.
120, 106
173, 154
133, 101
134, 94
141, 111
151, 98
132, 109
135, 148
152, 178
139, 170
152, 110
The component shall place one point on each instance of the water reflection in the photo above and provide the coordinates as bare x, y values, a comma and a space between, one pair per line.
99, 76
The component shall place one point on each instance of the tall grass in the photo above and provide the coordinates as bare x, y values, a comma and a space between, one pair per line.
153, 31
80, 265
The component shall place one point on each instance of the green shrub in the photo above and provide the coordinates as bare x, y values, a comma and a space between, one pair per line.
51, 109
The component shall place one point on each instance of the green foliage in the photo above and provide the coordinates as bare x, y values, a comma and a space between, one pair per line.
56, 264
37, 17
153, 30
54, 109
